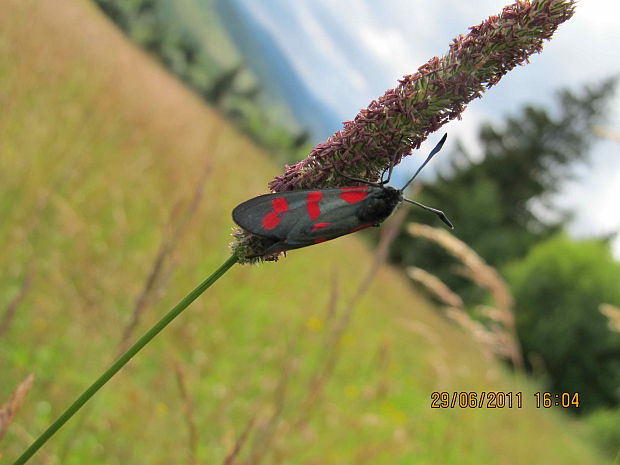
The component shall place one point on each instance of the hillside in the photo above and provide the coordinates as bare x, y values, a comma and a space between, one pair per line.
112, 173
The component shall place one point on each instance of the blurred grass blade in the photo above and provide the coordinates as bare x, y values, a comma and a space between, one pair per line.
10, 408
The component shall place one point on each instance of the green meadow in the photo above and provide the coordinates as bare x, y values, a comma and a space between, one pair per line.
116, 187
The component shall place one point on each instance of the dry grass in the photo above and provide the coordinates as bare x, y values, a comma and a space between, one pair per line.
607, 133
10, 408
436, 287
157, 277
613, 316
498, 335
188, 411
11, 308
232, 456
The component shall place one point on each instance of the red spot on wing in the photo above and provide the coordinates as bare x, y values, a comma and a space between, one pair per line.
354, 194
279, 205
359, 228
312, 204
270, 220
317, 226
320, 239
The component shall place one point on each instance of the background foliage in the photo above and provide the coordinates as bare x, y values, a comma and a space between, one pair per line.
558, 288
227, 84
503, 207
501, 201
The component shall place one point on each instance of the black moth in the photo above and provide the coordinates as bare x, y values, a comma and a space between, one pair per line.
295, 219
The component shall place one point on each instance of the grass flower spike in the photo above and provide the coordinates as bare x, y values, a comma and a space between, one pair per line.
399, 121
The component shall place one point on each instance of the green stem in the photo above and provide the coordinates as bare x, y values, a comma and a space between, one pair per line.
123, 359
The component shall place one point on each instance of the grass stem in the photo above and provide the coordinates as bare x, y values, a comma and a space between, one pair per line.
123, 359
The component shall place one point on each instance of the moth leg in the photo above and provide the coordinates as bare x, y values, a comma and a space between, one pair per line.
351, 178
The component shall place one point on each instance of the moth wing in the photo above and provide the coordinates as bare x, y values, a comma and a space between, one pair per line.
337, 219
271, 215
296, 219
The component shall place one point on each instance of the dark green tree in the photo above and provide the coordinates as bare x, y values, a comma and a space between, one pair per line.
525, 160
222, 85
558, 289
147, 23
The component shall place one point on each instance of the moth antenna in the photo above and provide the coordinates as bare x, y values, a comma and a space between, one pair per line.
430, 155
442, 216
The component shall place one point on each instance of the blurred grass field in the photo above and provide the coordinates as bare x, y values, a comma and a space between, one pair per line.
111, 171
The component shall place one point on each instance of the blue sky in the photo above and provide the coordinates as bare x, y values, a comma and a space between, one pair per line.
349, 52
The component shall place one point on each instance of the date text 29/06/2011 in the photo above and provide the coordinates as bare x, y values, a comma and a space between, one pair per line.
502, 399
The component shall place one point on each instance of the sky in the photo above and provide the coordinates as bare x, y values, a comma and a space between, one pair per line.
349, 52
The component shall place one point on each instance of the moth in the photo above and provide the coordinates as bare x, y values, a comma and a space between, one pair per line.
300, 218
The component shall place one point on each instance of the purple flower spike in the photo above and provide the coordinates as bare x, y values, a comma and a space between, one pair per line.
399, 121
